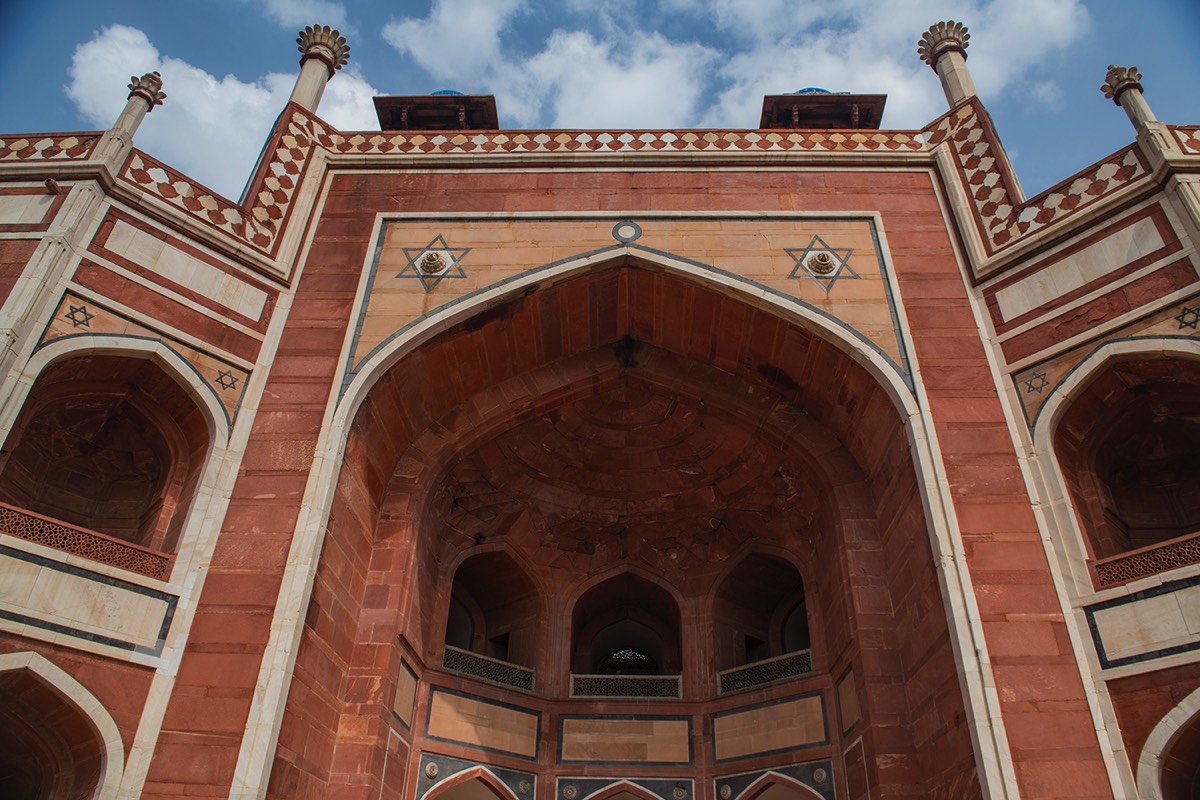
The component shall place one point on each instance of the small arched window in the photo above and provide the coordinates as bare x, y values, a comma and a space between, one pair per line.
759, 612
627, 661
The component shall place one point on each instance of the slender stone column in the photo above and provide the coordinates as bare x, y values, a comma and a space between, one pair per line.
144, 94
944, 48
324, 52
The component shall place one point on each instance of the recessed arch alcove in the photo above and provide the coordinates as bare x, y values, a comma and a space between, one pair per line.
1126, 443
111, 443
493, 609
626, 625
630, 420
759, 612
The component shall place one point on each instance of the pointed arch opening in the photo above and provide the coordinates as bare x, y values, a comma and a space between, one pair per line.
636, 426
1126, 444
493, 610
110, 444
51, 746
626, 625
474, 784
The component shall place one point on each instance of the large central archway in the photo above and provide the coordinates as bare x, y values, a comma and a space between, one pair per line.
625, 441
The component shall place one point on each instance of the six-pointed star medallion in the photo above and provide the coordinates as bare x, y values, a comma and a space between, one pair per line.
433, 263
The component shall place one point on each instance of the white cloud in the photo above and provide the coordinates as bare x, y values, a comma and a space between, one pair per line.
645, 82
865, 46
210, 128
1048, 93
578, 78
459, 41
608, 75
299, 13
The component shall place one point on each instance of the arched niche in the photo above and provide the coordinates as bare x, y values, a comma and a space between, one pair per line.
473, 784
1126, 444
759, 612
1168, 768
494, 609
626, 625
56, 740
109, 443
1181, 765
774, 786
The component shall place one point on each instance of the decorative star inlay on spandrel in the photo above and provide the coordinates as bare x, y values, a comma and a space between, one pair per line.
1188, 317
80, 316
1037, 383
434, 263
821, 263
226, 379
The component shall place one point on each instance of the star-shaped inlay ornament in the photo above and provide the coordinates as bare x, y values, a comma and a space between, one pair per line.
821, 263
82, 318
434, 263
1037, 383
1188, 318
226, 379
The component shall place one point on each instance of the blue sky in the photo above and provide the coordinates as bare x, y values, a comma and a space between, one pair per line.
228, 66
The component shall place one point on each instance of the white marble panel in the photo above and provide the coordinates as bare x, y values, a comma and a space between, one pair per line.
24, 209
76, 602
1092, 262
1150, 624
179, 267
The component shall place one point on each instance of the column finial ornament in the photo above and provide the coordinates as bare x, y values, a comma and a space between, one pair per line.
942, 38
324, 44
1119, 80
148, 87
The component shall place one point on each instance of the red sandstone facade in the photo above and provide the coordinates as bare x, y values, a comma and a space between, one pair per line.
785, 463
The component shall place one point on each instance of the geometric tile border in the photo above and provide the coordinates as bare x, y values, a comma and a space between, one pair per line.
289, 152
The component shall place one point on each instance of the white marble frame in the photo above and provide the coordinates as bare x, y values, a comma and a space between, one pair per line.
73, 692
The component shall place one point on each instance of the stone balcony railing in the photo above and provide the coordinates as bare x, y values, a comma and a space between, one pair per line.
82, 542
788, 665
1146, 561
488, 669
640, 686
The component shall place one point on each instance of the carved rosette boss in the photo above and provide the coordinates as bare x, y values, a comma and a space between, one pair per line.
324, 44
942, 38
149, 88
1119, 80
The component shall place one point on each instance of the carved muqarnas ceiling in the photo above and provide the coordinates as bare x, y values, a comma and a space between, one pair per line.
660, 461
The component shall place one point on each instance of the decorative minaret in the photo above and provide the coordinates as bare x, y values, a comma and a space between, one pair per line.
144, 94
324, 52
944, 48
1123, 86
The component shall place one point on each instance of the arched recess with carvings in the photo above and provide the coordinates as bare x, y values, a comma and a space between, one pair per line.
1121, 432
111, 435
57, 742
631, 415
